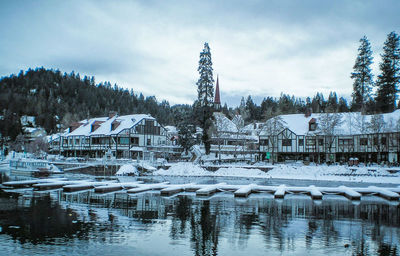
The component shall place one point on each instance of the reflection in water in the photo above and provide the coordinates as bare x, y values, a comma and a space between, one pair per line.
219, 225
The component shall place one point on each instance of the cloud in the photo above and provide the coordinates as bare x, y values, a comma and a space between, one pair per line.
260, 48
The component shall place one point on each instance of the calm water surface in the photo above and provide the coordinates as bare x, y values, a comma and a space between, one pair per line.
33, 223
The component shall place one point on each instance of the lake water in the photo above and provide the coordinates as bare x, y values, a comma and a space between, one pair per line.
33, 223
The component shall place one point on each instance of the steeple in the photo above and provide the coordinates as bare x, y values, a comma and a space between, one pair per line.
217, 99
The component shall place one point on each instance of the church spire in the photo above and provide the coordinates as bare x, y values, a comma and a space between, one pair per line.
217, 99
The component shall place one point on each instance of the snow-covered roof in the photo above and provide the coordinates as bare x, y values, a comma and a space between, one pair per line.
53, 137
253, 127
350, 122
171, 129
223, 124
104, 125
25, 120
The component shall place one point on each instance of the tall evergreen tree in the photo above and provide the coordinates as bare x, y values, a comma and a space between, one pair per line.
362, 76
205, 84
389, 78
343, 107
205, 90
332, 105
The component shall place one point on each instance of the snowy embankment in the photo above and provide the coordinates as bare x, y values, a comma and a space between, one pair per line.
316, 172
127, 169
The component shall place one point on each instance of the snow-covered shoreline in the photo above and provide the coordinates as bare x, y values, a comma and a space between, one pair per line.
282, 171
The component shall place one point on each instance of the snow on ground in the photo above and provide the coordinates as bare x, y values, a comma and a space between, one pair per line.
184, 169
334, 173
127, 169
283, 171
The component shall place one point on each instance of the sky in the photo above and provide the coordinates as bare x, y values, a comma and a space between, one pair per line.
259, 48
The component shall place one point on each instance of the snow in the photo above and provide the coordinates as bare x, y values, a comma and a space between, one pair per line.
125, 122
25, 120
183, 169
171, 129
297, 172
127, 169
299, 123
223, 123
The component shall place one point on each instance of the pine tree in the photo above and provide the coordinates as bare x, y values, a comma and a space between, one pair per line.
205, 84
343, 107
205, 89
332, 105
389, 78
186, 131
362, 76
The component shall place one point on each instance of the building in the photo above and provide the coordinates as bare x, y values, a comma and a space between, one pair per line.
130, 136
230, 138
334, 137
217, 98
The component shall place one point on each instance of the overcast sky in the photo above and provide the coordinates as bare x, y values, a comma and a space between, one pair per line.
261, 48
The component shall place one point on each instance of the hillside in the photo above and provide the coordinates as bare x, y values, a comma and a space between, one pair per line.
57, 99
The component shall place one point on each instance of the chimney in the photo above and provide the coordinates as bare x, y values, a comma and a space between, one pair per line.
111, 114
308, 112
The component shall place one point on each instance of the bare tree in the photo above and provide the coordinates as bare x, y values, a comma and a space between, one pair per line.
19, 144
219, 129
351, 120
361, 123
239, 123
328, 123
397, 126
38, 146
271, 128
376, 126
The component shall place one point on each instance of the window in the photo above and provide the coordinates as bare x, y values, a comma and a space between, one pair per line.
383, 140
301, 142
140, 129
123, 140
76, 141
95, 140
135, 141
312, 124
264, 142
320, 142
363, 142
286, 142
310, 142
148, 141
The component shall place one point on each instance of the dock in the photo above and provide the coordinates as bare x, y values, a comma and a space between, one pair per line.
203, 190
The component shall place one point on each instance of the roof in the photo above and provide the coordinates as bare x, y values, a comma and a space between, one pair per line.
299, 123
217, 99
171, 129
104, 123
223, 124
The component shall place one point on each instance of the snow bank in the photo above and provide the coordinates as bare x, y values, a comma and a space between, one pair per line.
184, 169
127, 169
191, 169
334, 173
316, 172
240, 172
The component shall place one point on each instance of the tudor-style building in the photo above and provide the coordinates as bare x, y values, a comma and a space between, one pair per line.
128, 136
301, 138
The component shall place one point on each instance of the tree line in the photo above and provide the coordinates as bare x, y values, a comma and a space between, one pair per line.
57, 99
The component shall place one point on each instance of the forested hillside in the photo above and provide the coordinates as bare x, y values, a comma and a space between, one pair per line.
56, 98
